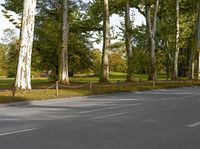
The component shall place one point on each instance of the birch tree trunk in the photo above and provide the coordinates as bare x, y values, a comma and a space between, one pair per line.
153, 45
191, 68
23, 76
128, 42
176, 54
148, 32
198, 65
104, 74
64, 47
198, 41
151, 27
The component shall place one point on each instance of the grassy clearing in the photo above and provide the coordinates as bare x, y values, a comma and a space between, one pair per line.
37, 83
6, 83
43, 83
6, 96
40, 84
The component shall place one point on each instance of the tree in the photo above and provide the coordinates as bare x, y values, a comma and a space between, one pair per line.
198, 38
128, 42
23, 76
175, 70
140, 52
151, 30
65, 34
104, 74
165, 33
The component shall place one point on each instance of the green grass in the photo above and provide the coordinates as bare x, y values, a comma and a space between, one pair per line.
6, 83
6, 96
42, 83
39, 86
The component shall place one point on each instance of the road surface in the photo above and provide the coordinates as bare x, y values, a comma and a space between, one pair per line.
158, 119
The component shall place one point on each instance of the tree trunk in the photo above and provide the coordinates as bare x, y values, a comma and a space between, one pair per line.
148, 32
23, 76
176, 55
198, 41
104, 74
128, 42
198, 71
191, 68
65, 35
152, 31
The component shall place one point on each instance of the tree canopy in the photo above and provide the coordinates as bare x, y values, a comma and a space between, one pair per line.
152, 46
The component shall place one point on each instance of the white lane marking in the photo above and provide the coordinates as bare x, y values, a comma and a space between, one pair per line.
16, 132
194, 125
109, 108
9, 119
167, 93
124, 99
111, 115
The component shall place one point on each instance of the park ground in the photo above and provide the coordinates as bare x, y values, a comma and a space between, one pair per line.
153, 119
84, 85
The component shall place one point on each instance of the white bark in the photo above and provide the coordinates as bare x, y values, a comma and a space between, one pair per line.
153, 44
23, 76
65, 35
191, 68
104, 76
176, 55
198, 64
151, 27
198, 40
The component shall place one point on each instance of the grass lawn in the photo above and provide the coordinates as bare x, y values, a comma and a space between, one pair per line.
6, 96
40, 85
43, 83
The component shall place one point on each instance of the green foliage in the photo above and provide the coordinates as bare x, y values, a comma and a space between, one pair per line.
48, 33
96, 61
11, 50
46, 51
140, 53
13, 5
79, 54
117, 63
188, 29
12, 58
3, 66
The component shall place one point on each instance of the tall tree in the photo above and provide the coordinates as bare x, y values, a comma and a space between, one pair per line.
176, 54
104, 74
198, 38
128, 42
151, 29
65, 34
23, 76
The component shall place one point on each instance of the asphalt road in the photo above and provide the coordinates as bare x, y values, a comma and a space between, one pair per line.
159, 119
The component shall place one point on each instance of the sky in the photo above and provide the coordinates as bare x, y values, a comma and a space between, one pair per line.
115, 21
4, 23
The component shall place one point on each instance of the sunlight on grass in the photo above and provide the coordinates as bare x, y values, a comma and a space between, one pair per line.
117, 84
6, 96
